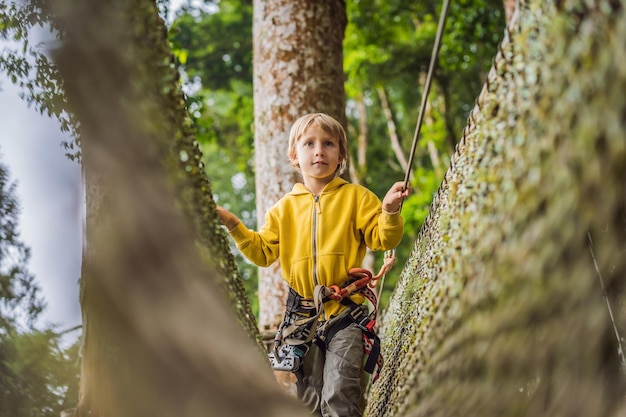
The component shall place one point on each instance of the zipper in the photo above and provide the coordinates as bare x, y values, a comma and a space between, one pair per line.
315, 278
315, 203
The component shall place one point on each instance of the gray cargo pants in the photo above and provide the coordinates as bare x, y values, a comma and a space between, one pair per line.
330, 382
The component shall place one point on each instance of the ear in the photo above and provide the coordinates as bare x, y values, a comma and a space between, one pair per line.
294, 161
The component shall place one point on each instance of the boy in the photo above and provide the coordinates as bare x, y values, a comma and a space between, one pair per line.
319, 231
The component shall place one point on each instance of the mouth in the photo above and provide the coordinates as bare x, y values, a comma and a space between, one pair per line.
320, 163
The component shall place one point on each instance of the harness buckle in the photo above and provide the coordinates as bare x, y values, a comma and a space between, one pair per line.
366, 323
362, 319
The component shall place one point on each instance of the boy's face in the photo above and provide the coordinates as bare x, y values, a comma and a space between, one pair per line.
317, 153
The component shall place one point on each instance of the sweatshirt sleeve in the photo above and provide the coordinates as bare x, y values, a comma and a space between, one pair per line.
381, 230
260, 248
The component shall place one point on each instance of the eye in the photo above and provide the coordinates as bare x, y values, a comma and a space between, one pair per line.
330, 143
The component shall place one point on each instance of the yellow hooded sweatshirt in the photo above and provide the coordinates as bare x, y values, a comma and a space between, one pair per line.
318, 239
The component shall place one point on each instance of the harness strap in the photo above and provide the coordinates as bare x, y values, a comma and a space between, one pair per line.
300, 326
371, 341
300, 323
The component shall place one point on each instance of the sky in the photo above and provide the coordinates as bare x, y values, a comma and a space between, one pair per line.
50, 193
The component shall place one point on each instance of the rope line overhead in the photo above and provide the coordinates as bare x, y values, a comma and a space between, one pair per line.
431, 70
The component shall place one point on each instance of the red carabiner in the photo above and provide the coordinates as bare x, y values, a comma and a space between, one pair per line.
335, 293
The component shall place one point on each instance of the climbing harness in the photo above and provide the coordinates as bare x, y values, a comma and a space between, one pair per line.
301, 325
292, 341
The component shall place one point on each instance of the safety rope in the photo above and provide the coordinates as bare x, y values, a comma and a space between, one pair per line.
390, 256
620, 349
429, 77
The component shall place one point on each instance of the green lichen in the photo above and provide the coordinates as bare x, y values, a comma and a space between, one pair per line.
499, 310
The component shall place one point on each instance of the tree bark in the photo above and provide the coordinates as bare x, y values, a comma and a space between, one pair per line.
162, 305
509, 9
298, 69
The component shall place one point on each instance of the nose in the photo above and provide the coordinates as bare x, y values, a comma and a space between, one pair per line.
319, 149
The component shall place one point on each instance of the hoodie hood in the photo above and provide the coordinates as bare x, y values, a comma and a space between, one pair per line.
333, 185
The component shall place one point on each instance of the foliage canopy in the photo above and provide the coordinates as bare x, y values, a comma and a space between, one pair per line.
387, 50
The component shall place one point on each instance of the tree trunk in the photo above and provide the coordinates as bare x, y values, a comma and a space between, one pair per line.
509, 9
391, 128
499, 311
162, 304
362, 140
298, 69
451, 133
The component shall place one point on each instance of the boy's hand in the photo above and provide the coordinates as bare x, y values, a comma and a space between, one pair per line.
227, 218
393, 199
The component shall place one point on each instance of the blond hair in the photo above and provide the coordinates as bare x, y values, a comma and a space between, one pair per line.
330, 125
